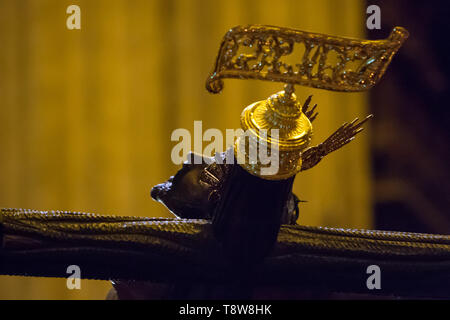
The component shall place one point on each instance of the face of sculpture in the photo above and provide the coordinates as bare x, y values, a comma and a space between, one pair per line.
190, 194
195, 190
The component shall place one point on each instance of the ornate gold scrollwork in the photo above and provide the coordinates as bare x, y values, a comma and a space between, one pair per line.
326, 62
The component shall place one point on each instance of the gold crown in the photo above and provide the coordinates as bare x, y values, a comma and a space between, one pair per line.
283, 112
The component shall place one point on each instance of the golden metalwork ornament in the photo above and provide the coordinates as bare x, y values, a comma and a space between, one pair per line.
323, 61
282, 112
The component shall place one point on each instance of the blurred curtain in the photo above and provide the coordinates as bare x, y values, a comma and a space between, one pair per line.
410, 145
86, 115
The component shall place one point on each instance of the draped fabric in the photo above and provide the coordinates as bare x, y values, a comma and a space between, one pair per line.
86, 115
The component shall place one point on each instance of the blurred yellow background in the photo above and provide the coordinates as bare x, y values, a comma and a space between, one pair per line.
86, 115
